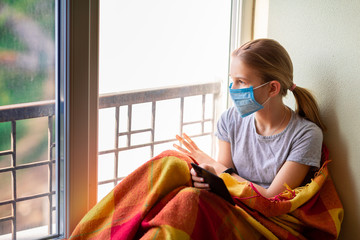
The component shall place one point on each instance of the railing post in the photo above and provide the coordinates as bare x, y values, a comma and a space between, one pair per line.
50, 165
13, 149
116, 157
153, 119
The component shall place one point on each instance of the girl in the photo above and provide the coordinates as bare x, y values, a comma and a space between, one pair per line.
261, 140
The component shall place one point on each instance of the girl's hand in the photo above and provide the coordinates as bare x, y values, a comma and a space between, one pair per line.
192, 150
198, 181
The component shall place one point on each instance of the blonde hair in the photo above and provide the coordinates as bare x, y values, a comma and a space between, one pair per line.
273, 62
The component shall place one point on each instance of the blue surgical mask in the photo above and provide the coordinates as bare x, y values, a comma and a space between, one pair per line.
244, 100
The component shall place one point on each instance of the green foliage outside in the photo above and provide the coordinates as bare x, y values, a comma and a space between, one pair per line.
19, 84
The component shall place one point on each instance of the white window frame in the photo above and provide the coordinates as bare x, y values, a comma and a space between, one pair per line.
241, 28
81, 108
242, 22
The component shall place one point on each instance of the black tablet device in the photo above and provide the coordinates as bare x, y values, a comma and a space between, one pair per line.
217, 185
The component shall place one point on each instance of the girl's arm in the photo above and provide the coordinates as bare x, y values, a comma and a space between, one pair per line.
291, 173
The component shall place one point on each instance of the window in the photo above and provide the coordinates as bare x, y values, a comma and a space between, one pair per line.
167, 44
69, 112
83, 108
155, 47
30, 165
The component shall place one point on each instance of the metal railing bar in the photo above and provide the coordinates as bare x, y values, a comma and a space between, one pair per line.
117, 124
153, 119
6, 152
200, 121
135, 132
8, 218
27, 165
13, 149
181, 117
50, 151
20, 199
214, 97
4, 219
23, 111
203, 113
7, 202
35, 196
111, 180
158, 94
129, 124
150, 129
149, 144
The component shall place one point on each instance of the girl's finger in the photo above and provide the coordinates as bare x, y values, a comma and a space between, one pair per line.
179, 138
204, 186
185, 143
197, 179
193, 144
193, 172
181, 149
188, 146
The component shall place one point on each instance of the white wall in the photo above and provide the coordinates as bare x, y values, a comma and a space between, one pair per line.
323, 39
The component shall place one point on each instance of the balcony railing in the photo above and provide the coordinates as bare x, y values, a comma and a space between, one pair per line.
116, 101
12, 114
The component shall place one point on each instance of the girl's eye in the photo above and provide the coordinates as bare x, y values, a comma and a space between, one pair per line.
238, 82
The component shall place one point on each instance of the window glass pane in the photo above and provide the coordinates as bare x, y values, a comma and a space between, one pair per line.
27, 119
104, 189
32, 140
167, 120
106, 162
6, 186
192, 108
147, 44
27, 51
32, 181
5, 161
147, 49
131, 159
141, 116
106, 128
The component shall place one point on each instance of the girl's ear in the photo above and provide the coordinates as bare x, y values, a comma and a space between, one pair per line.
275, 87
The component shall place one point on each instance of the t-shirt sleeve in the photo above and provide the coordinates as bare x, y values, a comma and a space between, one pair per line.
222, 131
307, 147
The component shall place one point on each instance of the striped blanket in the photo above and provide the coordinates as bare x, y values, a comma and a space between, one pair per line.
157, 202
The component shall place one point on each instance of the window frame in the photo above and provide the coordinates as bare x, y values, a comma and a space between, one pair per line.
80, 74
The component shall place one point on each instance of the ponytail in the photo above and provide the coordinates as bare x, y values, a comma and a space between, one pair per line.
307, 107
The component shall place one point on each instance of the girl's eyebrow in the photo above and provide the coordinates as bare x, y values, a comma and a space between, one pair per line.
238, 76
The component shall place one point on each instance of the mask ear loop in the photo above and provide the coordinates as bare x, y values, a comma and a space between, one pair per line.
265, 101
261, 85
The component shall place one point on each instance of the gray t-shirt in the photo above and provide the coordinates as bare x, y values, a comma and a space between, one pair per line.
258, 158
